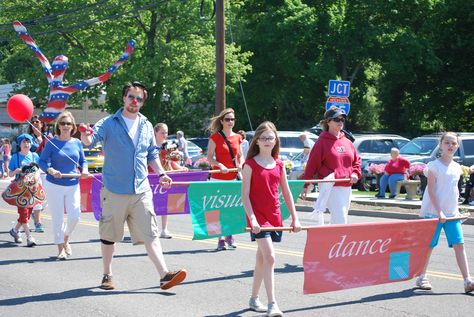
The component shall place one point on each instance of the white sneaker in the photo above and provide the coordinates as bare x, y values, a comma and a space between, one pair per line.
16, 236
273, 310
165, 234
67, 249
256, 305
423, 283
30, 242
468, 287
62, 256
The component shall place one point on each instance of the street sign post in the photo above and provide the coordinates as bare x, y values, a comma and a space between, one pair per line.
340, 102
339, 88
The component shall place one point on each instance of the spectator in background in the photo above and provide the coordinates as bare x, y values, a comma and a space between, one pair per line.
306, 151
395, 170
161, 134
2, 167
469, 192
245, 143
183, 147
7, 152
38, 131
307, 142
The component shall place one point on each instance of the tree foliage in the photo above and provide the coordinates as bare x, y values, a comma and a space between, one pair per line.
407, 61
174, 55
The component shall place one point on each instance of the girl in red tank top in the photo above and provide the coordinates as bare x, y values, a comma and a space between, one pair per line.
262, 174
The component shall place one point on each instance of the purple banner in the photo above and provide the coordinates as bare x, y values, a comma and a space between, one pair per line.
170, 201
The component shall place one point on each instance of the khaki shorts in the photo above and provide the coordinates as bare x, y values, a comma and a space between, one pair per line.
136, 209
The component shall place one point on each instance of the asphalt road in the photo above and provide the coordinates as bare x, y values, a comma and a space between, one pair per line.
33, 283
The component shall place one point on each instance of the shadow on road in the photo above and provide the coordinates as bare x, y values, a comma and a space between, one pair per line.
246, 274
380, 297
234, 314
75, 293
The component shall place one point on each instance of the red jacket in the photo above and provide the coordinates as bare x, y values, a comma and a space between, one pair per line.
333, 154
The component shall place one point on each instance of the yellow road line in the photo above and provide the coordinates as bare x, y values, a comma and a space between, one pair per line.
245, 246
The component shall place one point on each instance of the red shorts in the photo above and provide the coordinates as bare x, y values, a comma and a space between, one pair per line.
25, 214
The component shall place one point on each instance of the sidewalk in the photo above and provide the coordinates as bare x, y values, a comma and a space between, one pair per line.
366, 205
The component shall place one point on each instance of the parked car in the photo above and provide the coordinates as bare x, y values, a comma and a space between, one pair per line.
95, 159
370, 146
290, 144
317, 129
195, 152
297, 166
202, 142
426, 148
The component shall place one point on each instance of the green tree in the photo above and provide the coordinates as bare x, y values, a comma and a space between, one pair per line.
174, 55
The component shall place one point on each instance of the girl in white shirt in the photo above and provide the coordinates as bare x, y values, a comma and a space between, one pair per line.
440, 200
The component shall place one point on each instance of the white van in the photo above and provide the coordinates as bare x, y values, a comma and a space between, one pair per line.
290, 144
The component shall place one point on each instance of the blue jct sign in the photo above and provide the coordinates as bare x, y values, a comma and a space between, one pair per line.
339, 88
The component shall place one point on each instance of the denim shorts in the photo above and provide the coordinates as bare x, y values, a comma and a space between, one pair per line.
453, 231
275, 235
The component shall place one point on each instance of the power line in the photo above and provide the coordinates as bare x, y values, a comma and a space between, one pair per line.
76, 27
82, 25
240, 80
48, 18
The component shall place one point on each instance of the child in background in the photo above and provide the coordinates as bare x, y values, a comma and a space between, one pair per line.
262, 174
2, 168
440, 200
7, 152
40, 136
22, 158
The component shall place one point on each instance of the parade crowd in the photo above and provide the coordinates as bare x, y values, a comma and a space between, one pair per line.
133, 148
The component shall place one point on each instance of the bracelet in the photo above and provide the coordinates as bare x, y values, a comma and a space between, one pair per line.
161, 175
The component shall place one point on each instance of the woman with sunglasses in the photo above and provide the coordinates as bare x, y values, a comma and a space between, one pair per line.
223, 153
333, 157
40, 137
63, 155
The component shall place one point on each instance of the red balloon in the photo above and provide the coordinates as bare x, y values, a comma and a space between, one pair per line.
20, 107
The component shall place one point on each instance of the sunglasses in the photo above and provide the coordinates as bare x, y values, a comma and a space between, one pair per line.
132, 97
65, 124
229, 119
339, 120
35, 121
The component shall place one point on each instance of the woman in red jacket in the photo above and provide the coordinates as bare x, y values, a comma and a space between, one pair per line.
395, 170
333, 157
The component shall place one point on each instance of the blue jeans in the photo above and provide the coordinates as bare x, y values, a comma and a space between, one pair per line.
392, 183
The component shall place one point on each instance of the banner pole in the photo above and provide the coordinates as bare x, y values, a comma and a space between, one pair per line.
248, 229
219, 171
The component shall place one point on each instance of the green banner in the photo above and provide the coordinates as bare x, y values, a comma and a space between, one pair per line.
217, 209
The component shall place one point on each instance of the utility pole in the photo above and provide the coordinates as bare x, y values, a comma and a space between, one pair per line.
220, 57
